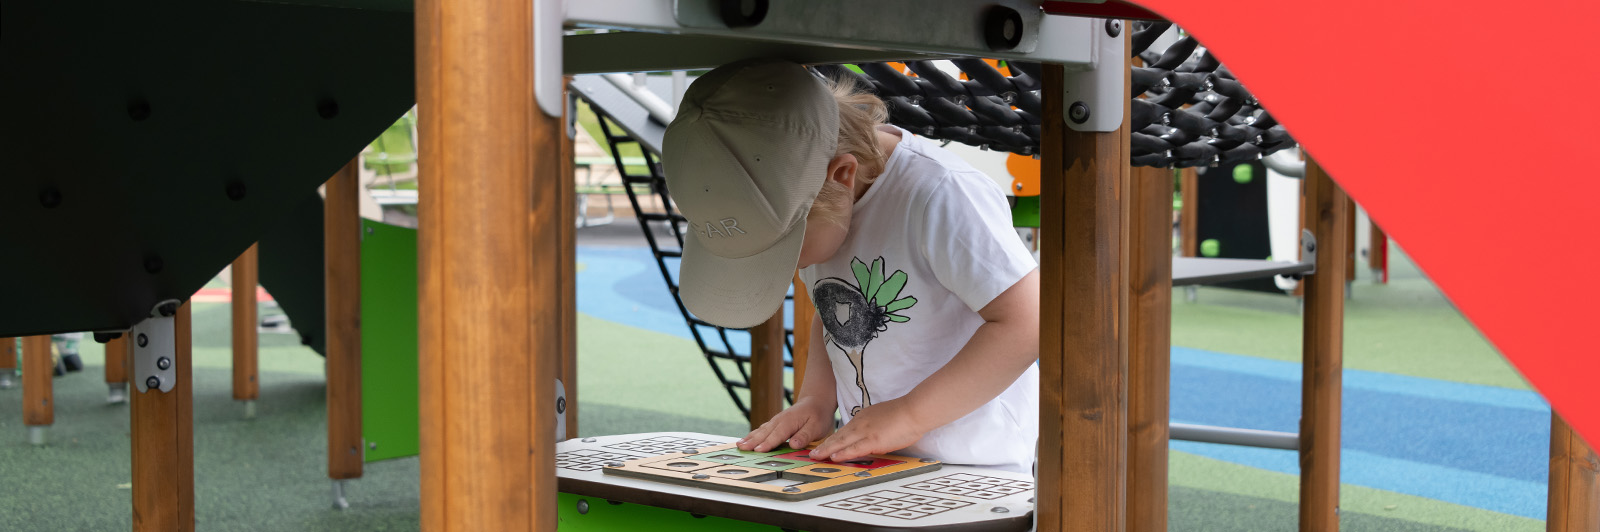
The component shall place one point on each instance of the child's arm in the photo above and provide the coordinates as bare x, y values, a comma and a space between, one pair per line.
999, 352
811, 416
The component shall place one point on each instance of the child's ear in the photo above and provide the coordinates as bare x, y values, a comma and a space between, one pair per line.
842, 170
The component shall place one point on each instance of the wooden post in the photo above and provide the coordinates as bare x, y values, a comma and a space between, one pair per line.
1350, 236
1323, 352
1378, 254
804, 312
766, 370
566, 246
1188, 223
8, 361
246, 274
162, 433
1574, 481
117, 368
1083, 359
38, 396
1149, 348
489, 286
341, 226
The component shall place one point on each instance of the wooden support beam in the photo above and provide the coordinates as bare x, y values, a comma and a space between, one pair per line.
489, 286
162, 434
766, 370
1188, 223
8, 361
1149, 348
1378, 254
1083, 359
804, 312
1323, 352
341, 241
117, 362
567, 246
1574, 504
38, 396
246, 275
1350, 236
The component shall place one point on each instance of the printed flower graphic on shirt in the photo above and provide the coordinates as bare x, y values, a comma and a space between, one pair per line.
853, 314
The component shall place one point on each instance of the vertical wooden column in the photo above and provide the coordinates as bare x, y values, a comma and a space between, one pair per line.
1323, 352
1378, 254
766, 370
1350, 236
246, 275
1149, 348
1083, 358
489, 293
117, 367
162, 434
566, 246
804, 312
1574, 481
8, 361
1188, 223
341, 226
38, 396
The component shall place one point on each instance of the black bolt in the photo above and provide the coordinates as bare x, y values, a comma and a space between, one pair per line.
561, 405
613, 503
50, 197
236, 190
103, 337
143, 340
163, 363
1078, 112
168, 310
1002, 28
1114, 27
1311, 246
305, 339
153, 382
328, 108
697, 516
743, 13
153, 264
138, 110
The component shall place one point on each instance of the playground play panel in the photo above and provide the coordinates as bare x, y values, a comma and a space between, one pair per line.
707, 475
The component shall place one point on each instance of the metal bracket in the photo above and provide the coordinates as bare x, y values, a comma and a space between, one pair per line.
548, 17
155, 348
561, 411
1308, 253
936, 25
1096, 96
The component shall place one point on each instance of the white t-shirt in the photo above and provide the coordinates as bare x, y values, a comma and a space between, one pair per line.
930, 244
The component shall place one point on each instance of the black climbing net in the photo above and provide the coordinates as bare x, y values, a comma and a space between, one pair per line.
1188, 110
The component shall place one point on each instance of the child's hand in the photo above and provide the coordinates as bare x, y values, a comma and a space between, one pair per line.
799, 425
881, 428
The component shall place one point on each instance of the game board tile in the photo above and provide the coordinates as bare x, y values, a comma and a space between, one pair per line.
733, 455
731, 471
690, 465
875, 510
927, 508
772, 463
826, 470
906, 514
864, 463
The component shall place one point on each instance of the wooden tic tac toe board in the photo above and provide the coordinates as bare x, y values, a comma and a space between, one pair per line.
708, 475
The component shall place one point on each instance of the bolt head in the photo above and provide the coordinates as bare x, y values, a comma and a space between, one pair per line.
163, 363
152, 382
701, 476
864, 474
791, 489
583, 506
1114, 27
143, 340
1000, 510
1078, 112
587, 440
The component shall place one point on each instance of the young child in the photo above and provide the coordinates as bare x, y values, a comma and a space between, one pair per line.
927, 302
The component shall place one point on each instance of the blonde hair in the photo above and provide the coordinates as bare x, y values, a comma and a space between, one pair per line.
860, 114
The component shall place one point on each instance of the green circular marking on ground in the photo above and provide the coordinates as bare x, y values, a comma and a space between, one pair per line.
1243, 173
1210, 247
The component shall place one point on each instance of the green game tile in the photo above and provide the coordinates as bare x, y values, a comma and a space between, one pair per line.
761, 463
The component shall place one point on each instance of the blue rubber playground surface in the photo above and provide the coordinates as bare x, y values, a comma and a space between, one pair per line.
1475, 445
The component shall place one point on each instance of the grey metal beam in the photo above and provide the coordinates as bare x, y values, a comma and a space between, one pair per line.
1235, 436
1205, 271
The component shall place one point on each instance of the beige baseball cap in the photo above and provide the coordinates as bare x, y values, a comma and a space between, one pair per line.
744, 158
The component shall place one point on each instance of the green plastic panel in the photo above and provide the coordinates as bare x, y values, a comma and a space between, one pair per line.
597, 515
1025, 211
388, 341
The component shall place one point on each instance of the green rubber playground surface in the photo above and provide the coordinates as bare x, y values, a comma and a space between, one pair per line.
267, 473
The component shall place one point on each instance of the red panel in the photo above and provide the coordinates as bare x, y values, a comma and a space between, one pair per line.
1444, 119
